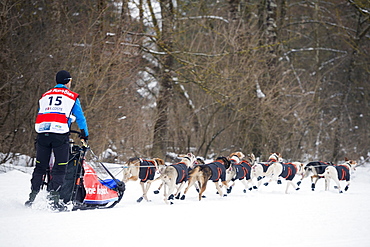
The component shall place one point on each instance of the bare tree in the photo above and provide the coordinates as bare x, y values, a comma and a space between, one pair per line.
207, 77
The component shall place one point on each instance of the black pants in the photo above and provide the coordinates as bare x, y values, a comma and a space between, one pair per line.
46, 143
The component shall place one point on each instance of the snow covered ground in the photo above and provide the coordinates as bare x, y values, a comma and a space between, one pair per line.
266, 217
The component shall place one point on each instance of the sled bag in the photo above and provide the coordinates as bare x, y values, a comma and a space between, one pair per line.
96, 192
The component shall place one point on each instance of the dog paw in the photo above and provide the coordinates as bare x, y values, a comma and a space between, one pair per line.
171, 197
346, 188
140, 199
229, 190
265, 184
255, 187
183, 197
279, 182
298, 189
299, 183
156, 192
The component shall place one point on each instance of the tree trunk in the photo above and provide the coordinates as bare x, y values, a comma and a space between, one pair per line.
160, 137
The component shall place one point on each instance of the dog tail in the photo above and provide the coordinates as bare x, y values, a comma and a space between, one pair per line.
271, 169
326, 172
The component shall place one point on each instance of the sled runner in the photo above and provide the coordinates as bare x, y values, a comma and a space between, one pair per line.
83, 189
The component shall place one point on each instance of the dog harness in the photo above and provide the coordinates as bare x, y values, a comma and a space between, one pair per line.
343, 172
266, 165
319, 166
289, 171
242, 170
147, 170
182, 172
218, 170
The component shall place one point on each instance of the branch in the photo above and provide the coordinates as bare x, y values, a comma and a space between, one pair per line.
203, 17
360, 8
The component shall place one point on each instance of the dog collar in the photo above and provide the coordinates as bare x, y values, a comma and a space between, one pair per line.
220, 161
235, 160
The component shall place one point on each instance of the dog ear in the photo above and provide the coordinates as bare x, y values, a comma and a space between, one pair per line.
200, 161
159, 161
226, 160
346, 159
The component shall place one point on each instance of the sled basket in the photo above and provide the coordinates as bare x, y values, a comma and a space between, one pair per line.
84, 189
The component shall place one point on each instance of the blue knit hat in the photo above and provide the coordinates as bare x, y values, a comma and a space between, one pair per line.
63, 77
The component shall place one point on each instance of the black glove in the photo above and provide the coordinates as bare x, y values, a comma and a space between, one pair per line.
83, 135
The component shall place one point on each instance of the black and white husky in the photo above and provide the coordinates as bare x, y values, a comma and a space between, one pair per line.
315, 168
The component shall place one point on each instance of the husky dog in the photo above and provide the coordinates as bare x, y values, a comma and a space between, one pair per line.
214, 171
338, 173
235, 159
259, 169
314, 168
144, 169
176, 174
286, 171
240, 169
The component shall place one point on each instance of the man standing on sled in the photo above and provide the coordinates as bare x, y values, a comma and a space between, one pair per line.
53, 125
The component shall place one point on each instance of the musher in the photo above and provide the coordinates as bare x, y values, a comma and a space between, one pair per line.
53, 121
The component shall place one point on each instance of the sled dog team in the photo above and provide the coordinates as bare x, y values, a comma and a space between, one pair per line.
225, 171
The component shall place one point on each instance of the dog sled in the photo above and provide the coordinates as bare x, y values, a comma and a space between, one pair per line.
83, 189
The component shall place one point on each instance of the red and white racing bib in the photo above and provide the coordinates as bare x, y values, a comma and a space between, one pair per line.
55, 107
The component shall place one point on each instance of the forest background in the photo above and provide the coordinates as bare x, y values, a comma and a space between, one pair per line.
210, 77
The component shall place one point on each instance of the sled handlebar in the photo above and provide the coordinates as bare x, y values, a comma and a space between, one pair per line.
83, 141
75, 132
